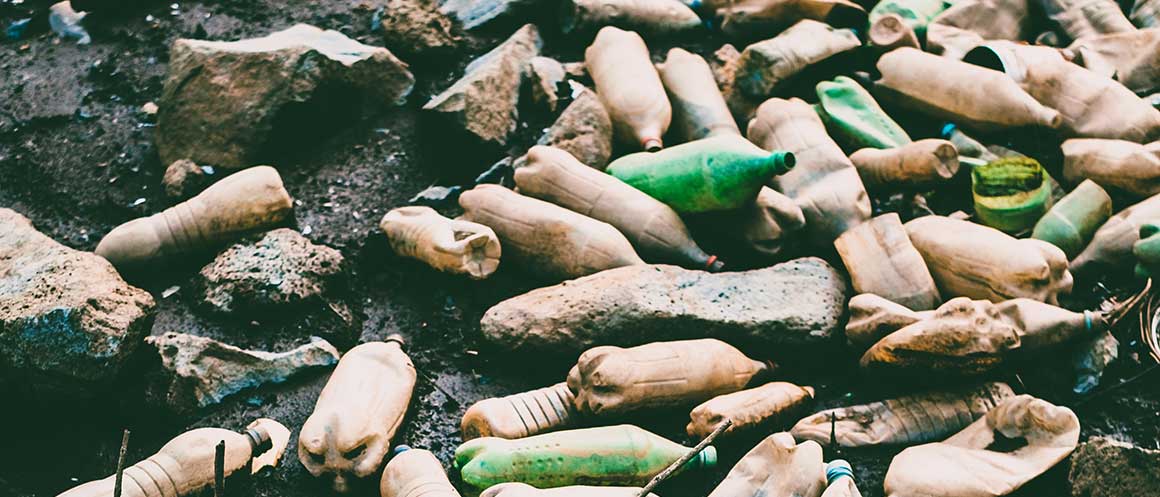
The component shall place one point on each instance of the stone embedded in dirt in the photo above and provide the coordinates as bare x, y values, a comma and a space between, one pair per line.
68, 321
475, 13
545, 74
584, 129
184, 179
437, 196
200, 372
484, 100
225, 102
795, 303
281, 269
1103, 467
417, 27
723, 62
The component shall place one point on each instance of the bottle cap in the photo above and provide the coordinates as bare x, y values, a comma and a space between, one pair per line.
397, 338
837, 469
947, 129
708, 457
400, 449
651, 144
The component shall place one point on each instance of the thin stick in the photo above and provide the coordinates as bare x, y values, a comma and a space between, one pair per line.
669, 471
121, 464
219, 470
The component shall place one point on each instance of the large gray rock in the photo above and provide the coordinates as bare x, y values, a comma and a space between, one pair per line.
279, 270
67, 319
796, 303
583, 129
200, 372
222, 100
483, 102
1103, 467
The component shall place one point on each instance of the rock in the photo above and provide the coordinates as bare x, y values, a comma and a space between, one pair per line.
793, 304
68, 322
437, 196
584, 129
417, 27
281, 269
201, 372
184, 179
1103, 467
545, 74
484, 100
475, 13
224, 103
578, 70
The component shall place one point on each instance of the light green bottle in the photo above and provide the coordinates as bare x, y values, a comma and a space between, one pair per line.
711, 174
1147, 250
971, 152
611, 455
1011, 194
914, 13
1073, 221
851, 113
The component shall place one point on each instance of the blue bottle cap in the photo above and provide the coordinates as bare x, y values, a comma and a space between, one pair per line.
400, 449
837, 469
947, 130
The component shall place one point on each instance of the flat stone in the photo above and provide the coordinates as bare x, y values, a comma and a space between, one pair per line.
545, 73
417, 27
200, 372
222, 100
1103, 467
278, 270
799, 303
583, 129
475, 13
68, 322
483, 102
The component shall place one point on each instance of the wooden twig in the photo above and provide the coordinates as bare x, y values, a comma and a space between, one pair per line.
672, 469
121, 464
219, 470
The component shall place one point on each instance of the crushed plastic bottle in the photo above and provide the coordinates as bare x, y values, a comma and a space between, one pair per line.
66, 22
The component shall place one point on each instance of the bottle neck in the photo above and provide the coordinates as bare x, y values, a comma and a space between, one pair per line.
259, 441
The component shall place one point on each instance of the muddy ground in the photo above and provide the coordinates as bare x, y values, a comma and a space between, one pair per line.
76, 156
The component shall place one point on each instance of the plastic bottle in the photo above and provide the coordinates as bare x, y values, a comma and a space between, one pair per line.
521, 415
1127, 166
699, 109
453, 246
654, 229
919, 165
891, 31
1147, 250
969, 95
358, 412
549, 240
516, 489
840, 480
1118, 55
630, 88
1086, 18
914, 14
1071, 222
1011, 194
1111, 246
744, 19
244, 202
972, 260
718, 173
776, 466
765, 227
653, 17
969, 23
612, 381
767, 406
185, 465
415, 473
856, 117
881, 260
610, 455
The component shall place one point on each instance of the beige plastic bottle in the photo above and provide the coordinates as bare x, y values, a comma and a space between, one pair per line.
654, 228
972, 96
452, 246
919, 165
840, 480
358, 412
611, 381
767, 406
1131, 167
415, 473
749, 18
776, 466
521, 415
972, 260
516, 489
881, 260
968, 23
185, 465
662, 18
246, 201
766, 228
1112, 244
630, 88
549, 240
699, 110
824, 183
1085, 18
890, 31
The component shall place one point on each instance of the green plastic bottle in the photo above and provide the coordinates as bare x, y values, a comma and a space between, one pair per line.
851, 113
1073, 221
1147, 250
610, 455
914, 13
1011, 194
712, 174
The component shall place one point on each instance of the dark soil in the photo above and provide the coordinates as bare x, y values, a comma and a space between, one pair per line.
76, 156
